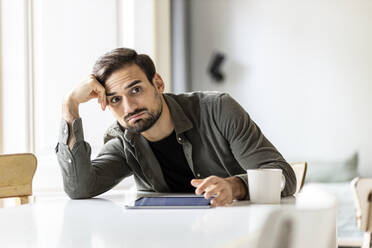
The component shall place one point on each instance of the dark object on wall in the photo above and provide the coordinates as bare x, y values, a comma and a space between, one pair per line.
214, 68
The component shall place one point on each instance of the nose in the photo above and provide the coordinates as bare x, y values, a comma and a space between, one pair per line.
129, 105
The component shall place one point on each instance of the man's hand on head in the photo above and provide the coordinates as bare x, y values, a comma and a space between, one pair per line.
225, 190
89, 89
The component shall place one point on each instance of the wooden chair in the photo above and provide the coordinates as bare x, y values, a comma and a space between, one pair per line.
305, 228
300, 169
16, 174
362, 189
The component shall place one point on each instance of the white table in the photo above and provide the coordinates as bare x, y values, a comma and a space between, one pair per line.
57, 221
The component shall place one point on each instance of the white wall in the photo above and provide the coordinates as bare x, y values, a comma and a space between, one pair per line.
302, 69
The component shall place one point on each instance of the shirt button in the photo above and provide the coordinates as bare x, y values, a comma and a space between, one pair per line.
69, 161
198, 175
180, 139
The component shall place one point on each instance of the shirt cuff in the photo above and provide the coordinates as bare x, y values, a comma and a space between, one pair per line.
244, 178
77, 128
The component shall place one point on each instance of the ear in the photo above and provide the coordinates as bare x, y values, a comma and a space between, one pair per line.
158, 83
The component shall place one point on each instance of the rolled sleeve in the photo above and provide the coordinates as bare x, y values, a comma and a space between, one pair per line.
82, 177
64, 132
244, 178
77, 128
75, 164
65, 157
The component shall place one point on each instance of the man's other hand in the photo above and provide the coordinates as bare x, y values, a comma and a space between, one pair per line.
89, 89
225, 190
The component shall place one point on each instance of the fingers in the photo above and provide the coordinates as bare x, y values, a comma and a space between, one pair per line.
101, 96
206, 183
98, 91
214, 186
222, 199
87, 90
103, 100
212, 190
196, 182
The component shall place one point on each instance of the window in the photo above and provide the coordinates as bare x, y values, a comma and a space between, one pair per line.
47, 48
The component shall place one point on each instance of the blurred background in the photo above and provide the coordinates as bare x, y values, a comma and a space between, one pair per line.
301, 69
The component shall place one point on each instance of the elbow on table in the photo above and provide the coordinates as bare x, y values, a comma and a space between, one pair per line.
76, 194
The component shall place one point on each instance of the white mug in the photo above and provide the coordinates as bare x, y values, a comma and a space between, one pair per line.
265, 185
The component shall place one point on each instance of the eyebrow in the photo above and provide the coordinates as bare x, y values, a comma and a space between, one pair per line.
128, 86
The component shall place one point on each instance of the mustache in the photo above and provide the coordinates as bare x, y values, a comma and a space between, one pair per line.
137, 111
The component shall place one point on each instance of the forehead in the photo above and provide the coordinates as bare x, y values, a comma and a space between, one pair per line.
124, 76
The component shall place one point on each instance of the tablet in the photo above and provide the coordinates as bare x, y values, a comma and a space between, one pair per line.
170, 202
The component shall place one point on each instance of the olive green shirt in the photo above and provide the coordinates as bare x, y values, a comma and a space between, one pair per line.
218, 138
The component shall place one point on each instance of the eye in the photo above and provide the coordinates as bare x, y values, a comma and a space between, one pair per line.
136, 90
115, 99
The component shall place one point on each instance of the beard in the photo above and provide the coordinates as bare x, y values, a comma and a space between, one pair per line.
144, 124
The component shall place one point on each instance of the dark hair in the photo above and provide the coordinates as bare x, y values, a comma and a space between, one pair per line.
118, 58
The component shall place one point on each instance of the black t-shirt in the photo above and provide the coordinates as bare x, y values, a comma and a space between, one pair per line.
173, 163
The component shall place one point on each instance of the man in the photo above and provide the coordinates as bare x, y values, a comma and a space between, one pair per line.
196, 142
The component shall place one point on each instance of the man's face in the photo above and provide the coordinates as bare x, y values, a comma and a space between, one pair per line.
134, 101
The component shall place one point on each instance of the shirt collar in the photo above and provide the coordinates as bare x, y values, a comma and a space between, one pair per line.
180, 121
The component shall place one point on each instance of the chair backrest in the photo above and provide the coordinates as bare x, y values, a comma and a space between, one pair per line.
300, 228
299, 169
362, 189
16, 174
